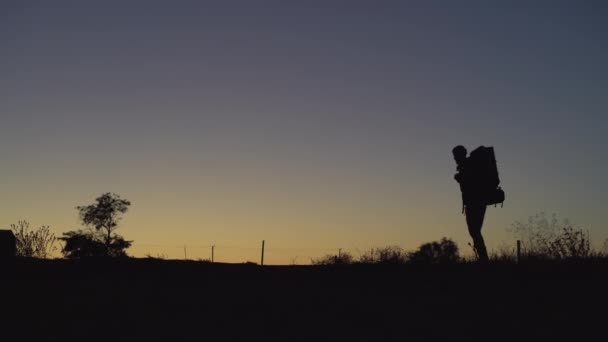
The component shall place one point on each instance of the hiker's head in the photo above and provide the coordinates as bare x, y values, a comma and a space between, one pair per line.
460, 154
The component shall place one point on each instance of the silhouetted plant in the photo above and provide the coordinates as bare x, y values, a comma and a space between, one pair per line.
39, 243
344, 258
444, 251
537, 234
475, 254
83, 244
549, 239
104, 216
571, 243
504, 254
294, 261
157, 257
385, 255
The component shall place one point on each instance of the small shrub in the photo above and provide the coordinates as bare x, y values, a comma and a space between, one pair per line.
537, 234
84, 244
393, 255
504, 254
571, 243
159, 256
343, 258
444, 251
39, 243
504, 257
544, 238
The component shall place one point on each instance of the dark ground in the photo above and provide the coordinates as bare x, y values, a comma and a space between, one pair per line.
140, 300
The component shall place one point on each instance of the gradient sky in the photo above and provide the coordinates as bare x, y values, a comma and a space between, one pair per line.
314, 125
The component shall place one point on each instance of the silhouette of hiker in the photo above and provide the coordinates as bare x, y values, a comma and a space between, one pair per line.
474, 197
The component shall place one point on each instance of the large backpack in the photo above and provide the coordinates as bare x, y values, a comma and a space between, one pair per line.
482, 162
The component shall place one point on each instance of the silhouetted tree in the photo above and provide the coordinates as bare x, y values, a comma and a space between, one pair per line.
83, 244
104, 216
438, 252
39, 243
386, 255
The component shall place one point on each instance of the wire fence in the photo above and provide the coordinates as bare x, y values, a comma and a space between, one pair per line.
235, 253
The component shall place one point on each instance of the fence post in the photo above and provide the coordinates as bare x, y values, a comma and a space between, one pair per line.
518, 251
212, 254
263, 245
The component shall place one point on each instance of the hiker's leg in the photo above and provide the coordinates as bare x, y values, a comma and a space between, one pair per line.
483, 253
475, 216
480, 246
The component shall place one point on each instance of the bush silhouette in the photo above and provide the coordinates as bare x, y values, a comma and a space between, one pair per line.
505, 254
80, 244
39, 243
544, 238
444, 251
343, 258
537, 234
390, 255
571, 243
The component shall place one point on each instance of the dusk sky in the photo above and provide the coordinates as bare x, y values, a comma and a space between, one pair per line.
313, 125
